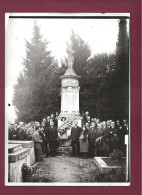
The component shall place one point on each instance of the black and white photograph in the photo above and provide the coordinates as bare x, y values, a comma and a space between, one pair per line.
67, 99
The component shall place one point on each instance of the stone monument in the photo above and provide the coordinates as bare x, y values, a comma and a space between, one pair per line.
70, 93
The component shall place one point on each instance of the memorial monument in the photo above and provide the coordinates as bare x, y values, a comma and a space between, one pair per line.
70, 93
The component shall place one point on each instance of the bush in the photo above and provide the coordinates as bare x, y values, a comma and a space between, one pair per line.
115, 175
116, 154
26, 170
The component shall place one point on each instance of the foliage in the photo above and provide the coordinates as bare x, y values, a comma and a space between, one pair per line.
115, 175
120, 85
116, 154
26, 170
37, 90
81, 54
99, 80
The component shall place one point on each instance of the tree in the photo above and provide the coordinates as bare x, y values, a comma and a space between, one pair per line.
99, 79
34, 93
109, 78
120, 85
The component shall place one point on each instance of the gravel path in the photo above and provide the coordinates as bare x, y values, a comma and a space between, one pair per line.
66, 169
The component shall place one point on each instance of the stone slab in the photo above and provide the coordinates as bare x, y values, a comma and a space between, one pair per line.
14, 147
25, 144
16, 156
103, 167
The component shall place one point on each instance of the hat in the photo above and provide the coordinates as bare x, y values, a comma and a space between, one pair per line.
63, 118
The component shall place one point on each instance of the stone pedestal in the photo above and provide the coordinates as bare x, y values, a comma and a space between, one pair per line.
70, 97
69, 93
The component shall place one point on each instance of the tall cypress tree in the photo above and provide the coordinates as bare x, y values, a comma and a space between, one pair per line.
120, 84
33, 95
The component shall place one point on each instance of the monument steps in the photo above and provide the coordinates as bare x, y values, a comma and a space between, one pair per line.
63, 153
64, 150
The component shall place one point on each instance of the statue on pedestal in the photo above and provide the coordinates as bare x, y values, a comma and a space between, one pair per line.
69, 97
70, 56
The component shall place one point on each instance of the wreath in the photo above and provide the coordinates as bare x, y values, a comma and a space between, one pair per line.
62, 131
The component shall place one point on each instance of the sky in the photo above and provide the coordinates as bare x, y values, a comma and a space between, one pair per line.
100, 34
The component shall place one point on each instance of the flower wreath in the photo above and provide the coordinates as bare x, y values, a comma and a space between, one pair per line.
62, 131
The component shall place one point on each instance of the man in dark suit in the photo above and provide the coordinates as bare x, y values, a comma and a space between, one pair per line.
52, 135
47, 123
75, 134
113, 137
13, 135
44, 144
121, 135
125, 127
106, 133
92, 135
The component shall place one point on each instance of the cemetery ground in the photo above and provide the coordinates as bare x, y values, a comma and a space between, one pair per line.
63, 168
66, 169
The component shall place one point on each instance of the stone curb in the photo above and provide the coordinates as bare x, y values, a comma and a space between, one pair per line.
103, 167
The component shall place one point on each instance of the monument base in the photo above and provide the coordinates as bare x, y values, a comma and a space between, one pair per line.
64, 147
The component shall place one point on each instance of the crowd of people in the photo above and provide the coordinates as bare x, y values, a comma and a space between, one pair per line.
93, 138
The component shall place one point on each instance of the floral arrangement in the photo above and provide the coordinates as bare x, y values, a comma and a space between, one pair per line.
66, 126
62, 131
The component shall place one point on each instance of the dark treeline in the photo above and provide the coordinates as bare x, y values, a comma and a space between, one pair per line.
104, 83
